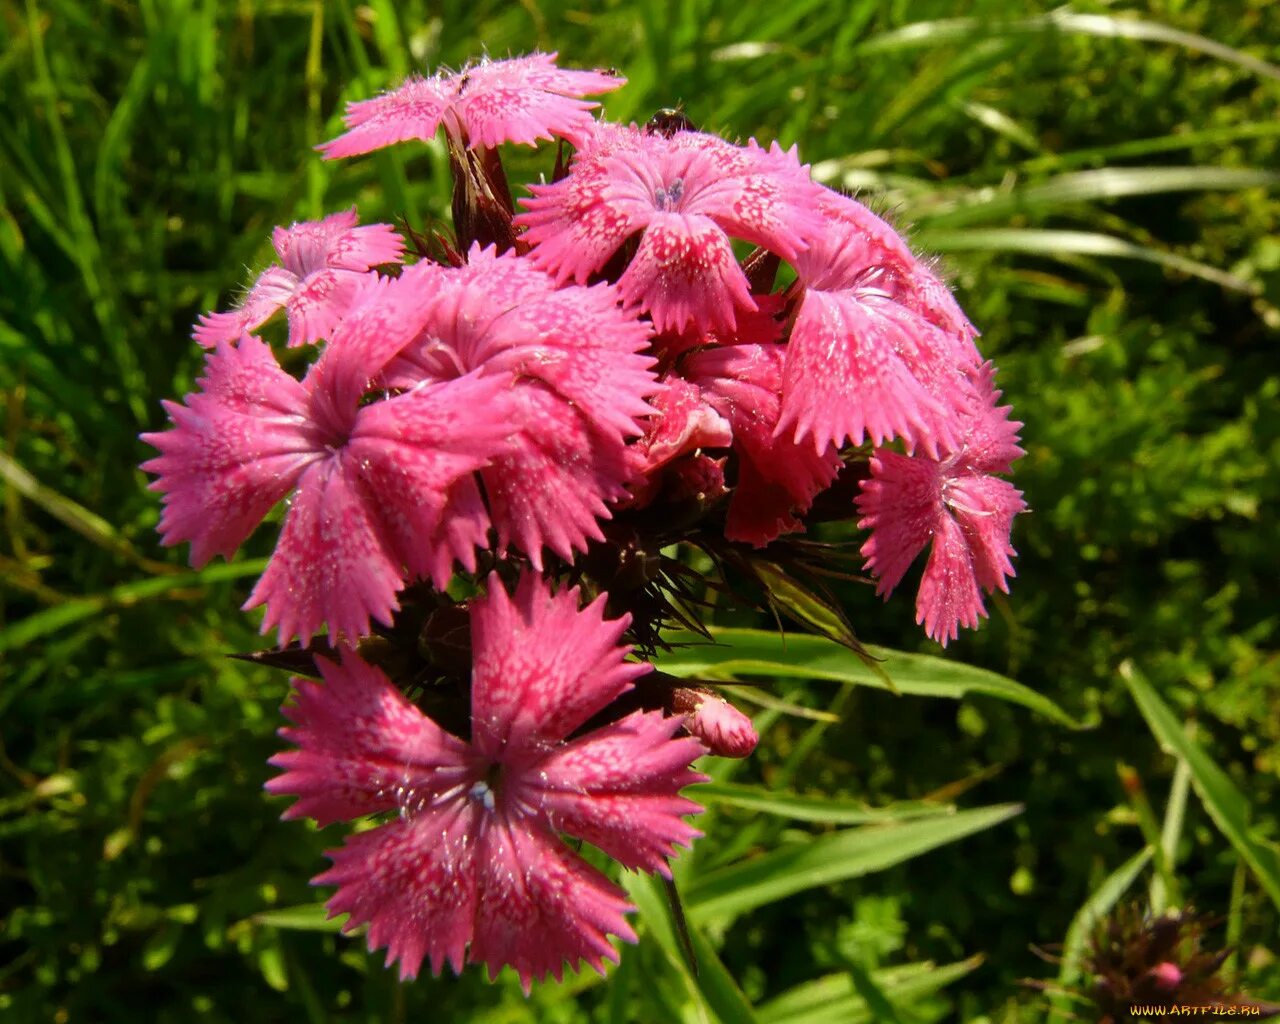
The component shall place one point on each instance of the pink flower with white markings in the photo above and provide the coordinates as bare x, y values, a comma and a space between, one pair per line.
956, 504
323, 265
879, 347
777, 478
371, 484
472, 868
579, 383
521, 100
685, 196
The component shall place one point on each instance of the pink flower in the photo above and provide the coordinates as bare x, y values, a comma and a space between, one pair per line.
777, 479
324, 264
953, 503
472, 868
579, 382
519, 100
372, 485
685, 195
878, 347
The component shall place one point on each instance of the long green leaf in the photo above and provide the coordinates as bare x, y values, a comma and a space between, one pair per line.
1053, 243
740, 653
814, 808
1225, 803
825, 860
835, 997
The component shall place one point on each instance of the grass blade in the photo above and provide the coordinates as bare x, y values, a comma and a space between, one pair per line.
827, 859
1225, 803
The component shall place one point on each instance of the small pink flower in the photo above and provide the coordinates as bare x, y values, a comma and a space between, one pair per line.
777, 478
685, 195
723, 729
324, 264
472, 868
372, 485
579, 378
878, 347
521, 100
954, 503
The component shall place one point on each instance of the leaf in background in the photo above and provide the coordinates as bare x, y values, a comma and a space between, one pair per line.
1225, 803
835, 997
1096, 907
824, 860
715, 986
755, 652
307, 917
828, 810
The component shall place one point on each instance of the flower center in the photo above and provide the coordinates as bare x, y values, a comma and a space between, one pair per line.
669, 198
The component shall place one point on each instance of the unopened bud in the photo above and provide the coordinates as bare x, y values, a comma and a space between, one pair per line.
723, 729
1166, 975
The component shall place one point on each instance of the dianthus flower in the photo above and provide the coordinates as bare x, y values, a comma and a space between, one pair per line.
473, 868
370, 483
323, 266
685, 195
878, 348
579, 382
519, 100
954, 503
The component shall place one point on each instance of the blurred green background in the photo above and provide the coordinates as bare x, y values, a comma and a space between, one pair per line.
1100, 185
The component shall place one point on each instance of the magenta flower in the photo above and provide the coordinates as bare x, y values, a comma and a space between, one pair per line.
685, 195
682, 422
579, 382
472, 868
777, 478
371, 484
323, 266
519, 100
953, 503
878, 347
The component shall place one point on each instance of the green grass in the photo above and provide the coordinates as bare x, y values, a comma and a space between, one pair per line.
1100, 184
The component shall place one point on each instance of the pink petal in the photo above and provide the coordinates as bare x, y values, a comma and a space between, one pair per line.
540, 906
582, 345
412, 453
332, 564
573, 225
303, 247
949, 595
902, 507
413, 111
414, 883
269, 292
550, 486
685, 270
524, 99
542, 668
362, 748
618, 788
985, 507
990, 444
235, 449
854, 369
320, 302
366, 247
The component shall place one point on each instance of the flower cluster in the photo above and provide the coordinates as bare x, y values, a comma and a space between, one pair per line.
496, 448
